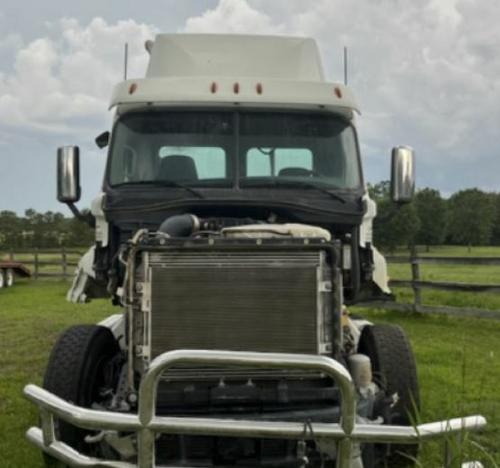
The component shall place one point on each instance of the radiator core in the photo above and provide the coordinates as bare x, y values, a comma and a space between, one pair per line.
268, 301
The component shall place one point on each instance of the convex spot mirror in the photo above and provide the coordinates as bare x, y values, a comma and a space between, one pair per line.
102, 140
68, 174
402, 174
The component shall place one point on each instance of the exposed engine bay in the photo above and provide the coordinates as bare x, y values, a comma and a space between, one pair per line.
238, 285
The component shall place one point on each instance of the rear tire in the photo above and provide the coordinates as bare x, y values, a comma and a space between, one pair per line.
395, 371
76, 372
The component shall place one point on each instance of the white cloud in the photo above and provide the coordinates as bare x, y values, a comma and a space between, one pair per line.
11, 41
426, 74
67, 76
233, 16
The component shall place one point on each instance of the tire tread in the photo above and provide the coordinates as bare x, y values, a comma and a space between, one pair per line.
394, 363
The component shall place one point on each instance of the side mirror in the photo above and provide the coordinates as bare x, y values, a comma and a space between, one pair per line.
102, 140
68, 174
402, 174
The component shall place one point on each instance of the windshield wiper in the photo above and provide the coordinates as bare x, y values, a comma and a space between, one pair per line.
291, 184
163, 183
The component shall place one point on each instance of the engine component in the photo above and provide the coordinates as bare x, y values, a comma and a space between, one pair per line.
361, 369
277, 230
180, 226
278, 299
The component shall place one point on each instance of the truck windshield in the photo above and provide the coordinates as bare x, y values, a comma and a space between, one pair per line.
219, 149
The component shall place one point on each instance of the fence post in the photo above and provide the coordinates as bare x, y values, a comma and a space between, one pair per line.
35, 263
415, 277
64, 263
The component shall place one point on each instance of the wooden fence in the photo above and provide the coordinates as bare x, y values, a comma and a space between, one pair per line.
60, 264
57, 264
417, 285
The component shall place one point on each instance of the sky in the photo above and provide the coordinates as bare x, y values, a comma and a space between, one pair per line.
426, 74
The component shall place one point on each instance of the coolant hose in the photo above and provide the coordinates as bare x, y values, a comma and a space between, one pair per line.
355, 267
180, 225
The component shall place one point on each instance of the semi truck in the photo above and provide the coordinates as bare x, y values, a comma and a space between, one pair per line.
232, 234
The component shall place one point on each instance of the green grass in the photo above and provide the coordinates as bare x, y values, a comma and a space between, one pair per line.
458, 359
32, 314
459, 372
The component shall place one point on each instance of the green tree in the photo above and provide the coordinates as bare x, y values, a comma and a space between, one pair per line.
42, 230
472, 214
10, 230
495, 235
432, 212
395, 225
380, 191
79, 233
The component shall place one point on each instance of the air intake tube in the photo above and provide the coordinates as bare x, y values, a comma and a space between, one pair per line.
180, 225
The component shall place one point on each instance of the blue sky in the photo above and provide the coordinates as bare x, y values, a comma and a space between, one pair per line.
427, 74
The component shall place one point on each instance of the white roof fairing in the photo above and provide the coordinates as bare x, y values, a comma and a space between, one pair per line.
233, 55
256, 71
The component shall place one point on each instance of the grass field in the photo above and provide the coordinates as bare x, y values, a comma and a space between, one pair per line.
458, 359
452, 273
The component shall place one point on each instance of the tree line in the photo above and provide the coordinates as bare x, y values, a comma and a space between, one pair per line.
469, 217
42, 230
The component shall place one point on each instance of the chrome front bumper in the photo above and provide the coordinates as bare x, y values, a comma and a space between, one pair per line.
147, 424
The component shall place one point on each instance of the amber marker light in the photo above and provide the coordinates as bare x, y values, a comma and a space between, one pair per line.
132, 88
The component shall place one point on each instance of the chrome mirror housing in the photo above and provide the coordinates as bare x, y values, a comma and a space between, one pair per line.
402, 174
68, 174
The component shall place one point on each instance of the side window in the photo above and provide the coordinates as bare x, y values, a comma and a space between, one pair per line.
192, 162
266, 162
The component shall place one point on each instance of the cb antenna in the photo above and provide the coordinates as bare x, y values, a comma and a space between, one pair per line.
125, 62
345, 65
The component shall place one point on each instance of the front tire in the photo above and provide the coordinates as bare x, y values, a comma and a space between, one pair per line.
395, 370
76, 372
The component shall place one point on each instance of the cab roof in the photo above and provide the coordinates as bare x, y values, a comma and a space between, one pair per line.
215, 69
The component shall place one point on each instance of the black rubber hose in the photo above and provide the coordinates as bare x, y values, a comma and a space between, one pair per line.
180, 225
355, 266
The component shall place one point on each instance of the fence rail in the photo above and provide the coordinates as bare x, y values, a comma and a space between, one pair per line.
417, 285
47, 263
61, 263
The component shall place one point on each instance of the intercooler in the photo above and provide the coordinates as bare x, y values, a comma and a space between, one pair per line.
247, 299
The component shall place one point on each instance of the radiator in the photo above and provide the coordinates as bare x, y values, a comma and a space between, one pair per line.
244, 300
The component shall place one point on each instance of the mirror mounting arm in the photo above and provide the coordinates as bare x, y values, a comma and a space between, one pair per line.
86, 218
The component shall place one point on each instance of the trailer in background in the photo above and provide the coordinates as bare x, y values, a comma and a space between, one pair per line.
9, 270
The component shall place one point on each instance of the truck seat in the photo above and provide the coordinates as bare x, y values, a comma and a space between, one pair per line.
294, 172
178, 168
